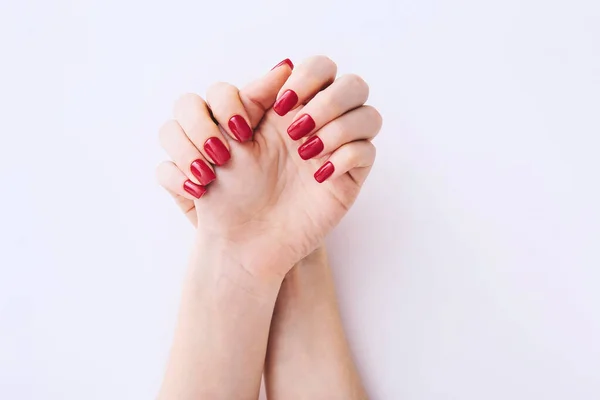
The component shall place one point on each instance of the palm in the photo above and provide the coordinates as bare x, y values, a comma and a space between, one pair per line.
267, 194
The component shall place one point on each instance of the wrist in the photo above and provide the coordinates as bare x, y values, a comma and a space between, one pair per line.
317, 258
240, 264
309, 274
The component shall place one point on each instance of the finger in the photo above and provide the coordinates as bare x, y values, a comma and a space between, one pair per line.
224, 101
362, 123
354, 158
307, 80
260, 95
170, 177
184, 154
192, 113
176, 182
345, 94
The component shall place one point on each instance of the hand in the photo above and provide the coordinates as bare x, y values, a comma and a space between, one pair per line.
280, 189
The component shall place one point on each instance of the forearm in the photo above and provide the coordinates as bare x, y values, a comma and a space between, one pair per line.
221, 337
308, 355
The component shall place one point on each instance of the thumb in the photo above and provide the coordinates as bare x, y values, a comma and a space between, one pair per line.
260, 95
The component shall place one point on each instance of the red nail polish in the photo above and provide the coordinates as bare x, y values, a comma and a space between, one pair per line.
324, 172
202, 172
311, 148
240, 128
301, 127
194, 189
286, 61
286, 102
217, 151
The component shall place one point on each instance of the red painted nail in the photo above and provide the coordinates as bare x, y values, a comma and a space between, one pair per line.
324, 172
240, 128
286, 102
194, 189
202, 172
301, 127
217, 151
286, 61
310, 148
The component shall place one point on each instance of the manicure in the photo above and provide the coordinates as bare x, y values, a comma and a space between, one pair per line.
286, 61
310, 148
217, 151
301, 127
202, 172
194, 189
324, 172
286, 102
240, 128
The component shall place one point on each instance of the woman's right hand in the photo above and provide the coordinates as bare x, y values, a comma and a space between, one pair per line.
269, 194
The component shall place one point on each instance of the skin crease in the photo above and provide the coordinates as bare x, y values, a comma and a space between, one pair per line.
263, 214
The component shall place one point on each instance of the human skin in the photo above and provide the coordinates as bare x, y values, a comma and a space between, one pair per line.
262, 212
308, 356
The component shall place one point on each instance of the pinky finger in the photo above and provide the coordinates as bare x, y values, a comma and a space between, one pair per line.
184, 191
354, 158
175, 181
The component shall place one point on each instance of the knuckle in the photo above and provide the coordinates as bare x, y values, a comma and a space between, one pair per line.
189, 99
361, 153
220, 96
218, 88
353, 157
324, 62
357, 83
188, 105
375, 115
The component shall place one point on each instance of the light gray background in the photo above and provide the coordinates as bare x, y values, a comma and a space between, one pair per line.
469, 267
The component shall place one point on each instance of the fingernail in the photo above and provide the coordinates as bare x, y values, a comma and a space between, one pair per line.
240, 128
202, 172
286, 102
194, 189
310, 148
301, 127
324, 172
217, 151
286, 61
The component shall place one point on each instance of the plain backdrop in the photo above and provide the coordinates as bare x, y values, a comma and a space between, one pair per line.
468, 269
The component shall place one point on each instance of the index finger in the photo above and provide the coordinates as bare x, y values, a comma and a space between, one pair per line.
259, 96
312, 76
